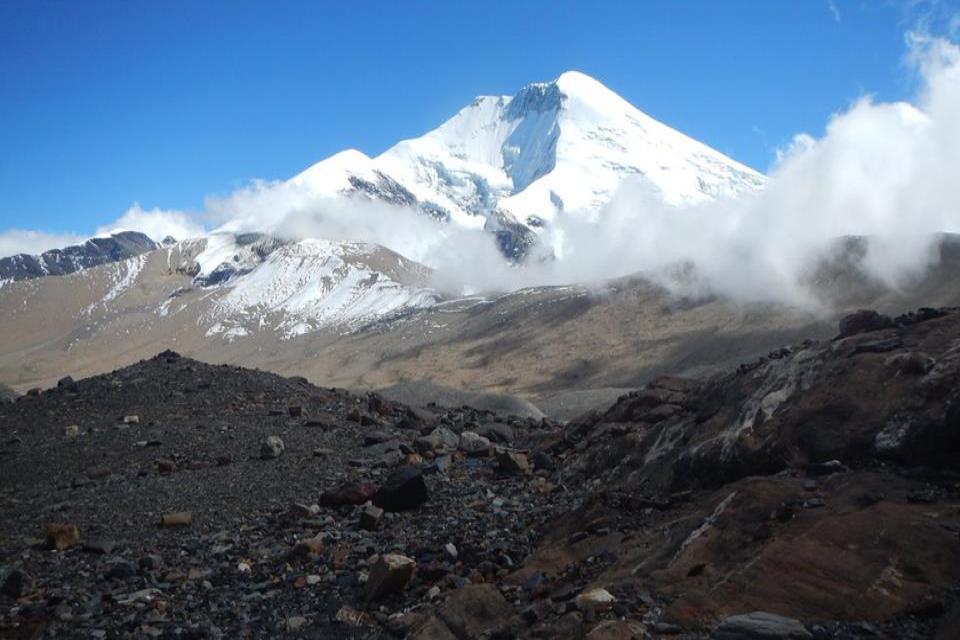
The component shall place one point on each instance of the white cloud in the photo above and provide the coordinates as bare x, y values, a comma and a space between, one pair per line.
14, 241
834, 10
156, 223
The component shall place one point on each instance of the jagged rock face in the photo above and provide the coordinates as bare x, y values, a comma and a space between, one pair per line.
798, 406
93, 252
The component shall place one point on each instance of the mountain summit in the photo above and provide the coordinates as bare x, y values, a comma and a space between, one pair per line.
560, 147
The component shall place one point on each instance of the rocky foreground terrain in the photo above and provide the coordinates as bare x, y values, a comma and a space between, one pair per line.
813, 493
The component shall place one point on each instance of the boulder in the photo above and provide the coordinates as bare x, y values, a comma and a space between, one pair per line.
403, 490
389, 574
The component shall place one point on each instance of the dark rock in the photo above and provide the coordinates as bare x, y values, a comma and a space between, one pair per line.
348, 494
120, 569
863, 321
18, 584
542, 460
403, 490
370, 517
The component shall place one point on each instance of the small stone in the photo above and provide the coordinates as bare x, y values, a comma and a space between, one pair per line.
322, 452
151, 562
18, 584
166, 466
376, 437
474, 444
71, 432
295, 411
450, 551
176, 519
132, 419
314, 579
300, 510
295, 623
101, 547
389, 574
271, 447
306, 550
370, 517
243, 567
596, 599
62, 536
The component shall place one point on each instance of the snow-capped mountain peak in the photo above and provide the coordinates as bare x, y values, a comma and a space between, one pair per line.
559, 147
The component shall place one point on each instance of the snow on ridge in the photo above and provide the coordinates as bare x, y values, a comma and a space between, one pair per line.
310, 285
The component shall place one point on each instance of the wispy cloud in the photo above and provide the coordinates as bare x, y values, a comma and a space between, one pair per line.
832, 6
14, 241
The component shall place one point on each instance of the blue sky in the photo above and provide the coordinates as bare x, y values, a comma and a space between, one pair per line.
106, 103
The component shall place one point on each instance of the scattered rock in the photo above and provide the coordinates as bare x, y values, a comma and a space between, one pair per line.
389, 574
349, 494
166, 466
18, 584
131, 419
597, 599
513, 462
761, 625
176, 519
62, 536
473, 444
403, 490
476, 609
370, 517
271, 447
71, 432
306, 550
120, 569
